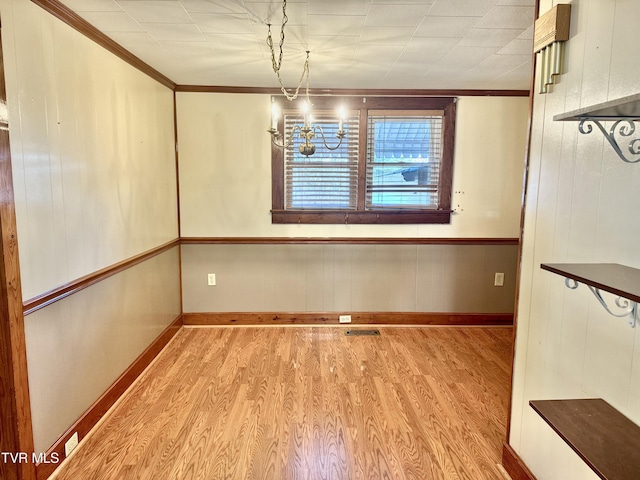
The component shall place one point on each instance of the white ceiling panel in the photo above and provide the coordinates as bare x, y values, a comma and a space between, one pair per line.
488, 37
217, 23
177, 32
516, 47
353, 43
467, 8
194, 52
527, 35
213, 6
515, 17
92, 5
525, 3
395, 15
337, 7
446, 26
113, 21
503, 63
160, 11
271, 12
468, 56
336, 24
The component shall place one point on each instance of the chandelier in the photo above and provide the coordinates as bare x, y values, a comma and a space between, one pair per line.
307, 131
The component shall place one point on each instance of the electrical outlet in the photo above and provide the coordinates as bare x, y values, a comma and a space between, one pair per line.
345, 318
71, 444
211, 279
498, 280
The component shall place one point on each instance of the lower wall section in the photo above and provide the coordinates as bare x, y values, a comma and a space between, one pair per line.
78, 346
100, 407
358, 318
348, 278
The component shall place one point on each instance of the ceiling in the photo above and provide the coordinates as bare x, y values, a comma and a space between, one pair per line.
376, 44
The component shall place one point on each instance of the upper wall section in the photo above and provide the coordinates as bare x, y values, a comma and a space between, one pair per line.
225, 171
92, 147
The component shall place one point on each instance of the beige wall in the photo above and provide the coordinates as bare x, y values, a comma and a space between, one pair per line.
225, 191
78, 346
95, 183
348, 278
225, 171
92, 151
582, 206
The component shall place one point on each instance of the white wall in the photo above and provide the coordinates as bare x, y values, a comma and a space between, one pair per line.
582, 206
225, 171
92, 151
95, 183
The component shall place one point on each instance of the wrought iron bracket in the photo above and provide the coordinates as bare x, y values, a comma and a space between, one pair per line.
628, 307
619, 131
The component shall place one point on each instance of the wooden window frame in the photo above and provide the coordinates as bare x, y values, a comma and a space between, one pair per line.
441, 215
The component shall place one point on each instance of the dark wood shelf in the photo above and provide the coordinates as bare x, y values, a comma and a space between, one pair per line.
626, 107
604, 438
618, 279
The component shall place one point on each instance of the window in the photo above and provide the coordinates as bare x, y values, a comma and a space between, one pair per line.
395, 163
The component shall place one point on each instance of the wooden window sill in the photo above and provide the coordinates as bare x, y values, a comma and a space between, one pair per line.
368, 217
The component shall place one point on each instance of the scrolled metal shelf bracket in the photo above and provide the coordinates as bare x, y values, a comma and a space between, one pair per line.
622, 128
629, 307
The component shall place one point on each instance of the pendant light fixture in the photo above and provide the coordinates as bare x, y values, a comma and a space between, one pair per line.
307, 131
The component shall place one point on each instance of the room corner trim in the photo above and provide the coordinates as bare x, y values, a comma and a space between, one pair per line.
101, 406
357, 318
514, 465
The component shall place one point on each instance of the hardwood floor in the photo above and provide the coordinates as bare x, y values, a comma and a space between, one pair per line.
309, 403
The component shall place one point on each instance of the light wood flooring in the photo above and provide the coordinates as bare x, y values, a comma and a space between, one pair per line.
309, 403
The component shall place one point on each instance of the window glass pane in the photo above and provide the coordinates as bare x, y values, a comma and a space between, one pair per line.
327, 179
403, 161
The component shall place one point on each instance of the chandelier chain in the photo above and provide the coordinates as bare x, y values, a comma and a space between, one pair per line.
277, 64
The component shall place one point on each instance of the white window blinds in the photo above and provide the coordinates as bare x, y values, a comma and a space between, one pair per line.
404, 153
329, 178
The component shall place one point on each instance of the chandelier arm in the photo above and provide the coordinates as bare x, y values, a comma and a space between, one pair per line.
340, 136
285, 144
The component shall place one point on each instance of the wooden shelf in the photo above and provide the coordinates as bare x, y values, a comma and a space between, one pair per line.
626, 107
618, 279
604, 438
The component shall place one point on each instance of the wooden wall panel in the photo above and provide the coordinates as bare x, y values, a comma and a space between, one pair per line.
579, 209
78, 346
94, 154
366, 278
94, 173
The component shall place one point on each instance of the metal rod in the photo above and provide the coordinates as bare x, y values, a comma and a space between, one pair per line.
548, 79
543, 75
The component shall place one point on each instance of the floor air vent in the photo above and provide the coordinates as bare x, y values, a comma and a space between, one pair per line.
355, 333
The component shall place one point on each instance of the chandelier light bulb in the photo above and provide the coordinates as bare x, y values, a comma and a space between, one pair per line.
275, 115
341, 115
